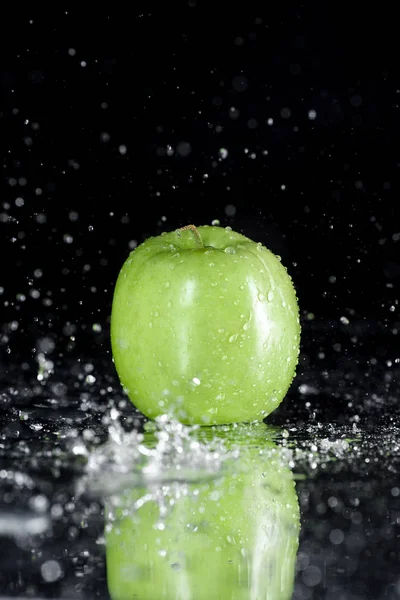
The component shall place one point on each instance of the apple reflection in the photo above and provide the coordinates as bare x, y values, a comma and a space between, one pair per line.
231, 537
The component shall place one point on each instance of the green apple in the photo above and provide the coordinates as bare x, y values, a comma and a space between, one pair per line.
205, 327
234, 537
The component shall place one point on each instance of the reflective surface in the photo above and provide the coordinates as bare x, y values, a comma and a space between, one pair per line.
72, 448
233, 536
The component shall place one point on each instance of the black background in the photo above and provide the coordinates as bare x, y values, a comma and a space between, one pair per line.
78, 88
99, 109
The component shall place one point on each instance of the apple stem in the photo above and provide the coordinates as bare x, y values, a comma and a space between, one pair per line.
196, 234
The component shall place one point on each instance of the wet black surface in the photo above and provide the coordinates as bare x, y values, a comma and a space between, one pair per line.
338, 428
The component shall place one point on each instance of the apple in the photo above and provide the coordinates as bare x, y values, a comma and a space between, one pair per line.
205, 327
233, 537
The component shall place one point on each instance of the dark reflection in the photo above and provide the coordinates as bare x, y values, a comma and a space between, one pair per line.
232, 536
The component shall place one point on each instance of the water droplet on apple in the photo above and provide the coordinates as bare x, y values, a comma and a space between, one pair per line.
122, 343
246, 326
233, 338
169, 305
211, 264
150, 324
270, 296
196, 381
230, 250
261, 297
167, 284
221, 330
283, 304
159, 363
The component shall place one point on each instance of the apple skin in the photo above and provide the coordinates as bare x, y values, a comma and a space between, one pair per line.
234, 537
205, 327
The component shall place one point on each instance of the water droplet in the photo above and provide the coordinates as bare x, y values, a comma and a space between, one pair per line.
230, 250
169, 305
167, 284
283, 304
233, 338
270, 296
196, 381
261, 297
150, 324
246, 326
51, 571
211, 264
